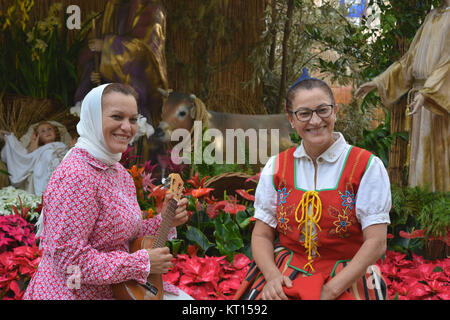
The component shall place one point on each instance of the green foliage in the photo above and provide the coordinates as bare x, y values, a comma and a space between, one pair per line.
435, 216
416, 209
38, 72
204, 169
302, 49
380, 139
366, 50
227, 235
224, 234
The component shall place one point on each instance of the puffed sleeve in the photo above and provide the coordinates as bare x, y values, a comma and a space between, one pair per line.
266, 196
373, 200
71, 213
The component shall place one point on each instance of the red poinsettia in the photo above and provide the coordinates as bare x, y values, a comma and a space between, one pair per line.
19, 256
15, 231
208, 277
416, 279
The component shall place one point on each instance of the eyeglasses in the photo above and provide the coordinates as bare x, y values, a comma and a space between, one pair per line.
323, 111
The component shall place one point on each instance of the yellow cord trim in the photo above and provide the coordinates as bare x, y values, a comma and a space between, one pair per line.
311, 212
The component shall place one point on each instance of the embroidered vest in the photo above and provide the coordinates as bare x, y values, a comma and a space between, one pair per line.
319, 226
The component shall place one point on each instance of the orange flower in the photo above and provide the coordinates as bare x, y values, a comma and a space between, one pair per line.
135, 171
158, 193
151, 213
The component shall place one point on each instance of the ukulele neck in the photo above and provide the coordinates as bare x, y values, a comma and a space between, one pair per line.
166, 224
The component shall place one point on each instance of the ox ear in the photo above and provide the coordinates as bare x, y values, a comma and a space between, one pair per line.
193, 112
163, 92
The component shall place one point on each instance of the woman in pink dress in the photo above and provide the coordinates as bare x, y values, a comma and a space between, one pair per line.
90, 211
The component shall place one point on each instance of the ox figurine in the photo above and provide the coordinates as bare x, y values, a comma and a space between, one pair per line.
184, 111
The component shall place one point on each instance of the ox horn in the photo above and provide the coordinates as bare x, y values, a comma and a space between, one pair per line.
163, 92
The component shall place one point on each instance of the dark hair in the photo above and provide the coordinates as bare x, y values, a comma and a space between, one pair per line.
121, 88
307, 84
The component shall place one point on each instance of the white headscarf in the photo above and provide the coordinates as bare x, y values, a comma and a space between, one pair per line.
90, 131
90, 128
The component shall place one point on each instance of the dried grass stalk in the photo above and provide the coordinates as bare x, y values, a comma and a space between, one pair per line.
17, 113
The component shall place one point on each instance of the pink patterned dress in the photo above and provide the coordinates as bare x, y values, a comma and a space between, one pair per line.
91, 214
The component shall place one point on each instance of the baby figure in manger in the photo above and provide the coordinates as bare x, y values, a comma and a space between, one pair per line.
31, 160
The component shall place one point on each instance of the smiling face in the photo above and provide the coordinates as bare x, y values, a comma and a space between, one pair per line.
46, 133
317, 133
119, 120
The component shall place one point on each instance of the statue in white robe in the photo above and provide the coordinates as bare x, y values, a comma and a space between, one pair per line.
32, 160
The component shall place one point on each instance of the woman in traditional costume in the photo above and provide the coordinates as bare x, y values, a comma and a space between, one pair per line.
321, 210
31, 161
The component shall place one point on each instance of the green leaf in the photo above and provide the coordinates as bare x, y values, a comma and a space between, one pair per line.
227, 235
241, 217
197, 236
176, 245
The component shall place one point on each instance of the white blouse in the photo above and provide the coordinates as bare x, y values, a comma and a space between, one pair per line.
373, 200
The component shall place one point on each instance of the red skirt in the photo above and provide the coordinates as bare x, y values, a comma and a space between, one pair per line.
307, 286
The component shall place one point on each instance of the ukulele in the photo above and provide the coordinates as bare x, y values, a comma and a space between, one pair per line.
153, 288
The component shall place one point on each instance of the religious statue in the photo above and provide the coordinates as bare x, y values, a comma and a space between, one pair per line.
130, 49
31, 160
423, 74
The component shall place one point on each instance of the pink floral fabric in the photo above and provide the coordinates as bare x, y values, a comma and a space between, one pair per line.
91, 214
